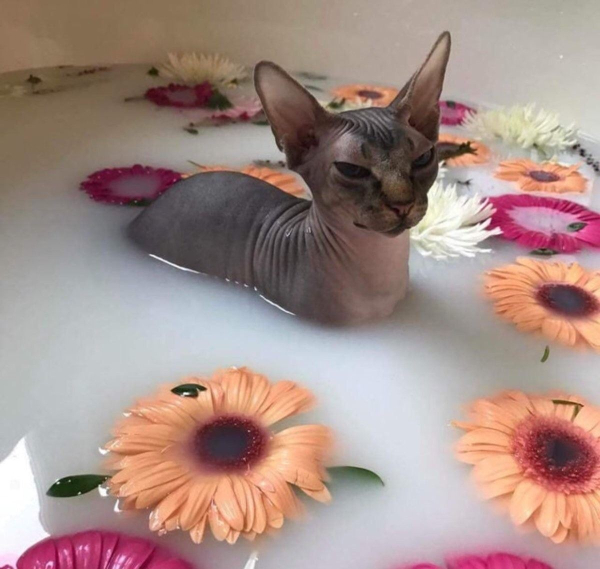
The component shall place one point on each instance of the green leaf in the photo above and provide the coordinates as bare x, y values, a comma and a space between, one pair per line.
576, 226
311, 76
314, 88
544, 252
153, 72
218, 101
577, 406
261, 123
33, 80
135, 98
77, 485
354, 473
191, 130
451, 104
336, 104
546, 354
188, 390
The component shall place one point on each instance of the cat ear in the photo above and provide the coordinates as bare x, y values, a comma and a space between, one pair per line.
291, 110
419, 98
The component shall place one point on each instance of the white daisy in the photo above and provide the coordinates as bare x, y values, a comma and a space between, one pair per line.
453, 225
523, 126
195, 68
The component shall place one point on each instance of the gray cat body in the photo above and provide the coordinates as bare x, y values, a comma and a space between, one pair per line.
341, 257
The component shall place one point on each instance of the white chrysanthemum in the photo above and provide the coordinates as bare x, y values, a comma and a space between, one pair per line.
523, 126
341, 105
453, 225
192, 68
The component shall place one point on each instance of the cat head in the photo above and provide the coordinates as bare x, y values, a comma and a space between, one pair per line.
373, 165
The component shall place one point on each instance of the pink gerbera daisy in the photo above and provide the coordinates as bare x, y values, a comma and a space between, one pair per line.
551, 224
454, 113
135, 185
494, 561
181, 96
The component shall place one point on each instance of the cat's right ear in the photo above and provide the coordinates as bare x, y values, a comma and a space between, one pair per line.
291, 110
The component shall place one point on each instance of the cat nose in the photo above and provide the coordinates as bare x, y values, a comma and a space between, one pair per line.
402, 209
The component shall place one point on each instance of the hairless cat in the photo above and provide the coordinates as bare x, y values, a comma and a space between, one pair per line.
342, 257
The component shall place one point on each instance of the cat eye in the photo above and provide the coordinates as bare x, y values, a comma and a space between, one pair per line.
424, 159
352, 170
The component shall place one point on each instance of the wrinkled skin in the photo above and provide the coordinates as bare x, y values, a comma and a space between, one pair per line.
341, 258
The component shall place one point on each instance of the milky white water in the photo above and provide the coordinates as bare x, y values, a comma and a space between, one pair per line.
89, 323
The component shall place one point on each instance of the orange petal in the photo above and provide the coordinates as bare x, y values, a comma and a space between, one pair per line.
196, 506
527, 498
547, 519
219, 527
227, 504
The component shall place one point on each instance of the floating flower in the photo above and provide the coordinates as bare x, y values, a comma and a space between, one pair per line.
540, 457
523, 126
453, 113
101, 549
494, 561
547, 177
243, 109
192, 68
136, 185
560, 301
379, 96
199, 96
282, 180
462, 151
453, 225
546, 223
208, 456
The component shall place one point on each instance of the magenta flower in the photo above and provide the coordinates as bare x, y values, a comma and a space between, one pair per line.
181, 96
494, 561
137, 185
454, 113
552, 224
100, 550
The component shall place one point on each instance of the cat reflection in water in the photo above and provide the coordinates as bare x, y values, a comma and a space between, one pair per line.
342, 257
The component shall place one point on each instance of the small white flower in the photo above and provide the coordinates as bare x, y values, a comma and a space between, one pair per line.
192, 68
341, 105
453, 225
523, 126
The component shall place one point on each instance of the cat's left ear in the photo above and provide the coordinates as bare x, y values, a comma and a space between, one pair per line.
291, 110
419, 99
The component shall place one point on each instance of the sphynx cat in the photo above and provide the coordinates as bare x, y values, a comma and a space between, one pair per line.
342, 257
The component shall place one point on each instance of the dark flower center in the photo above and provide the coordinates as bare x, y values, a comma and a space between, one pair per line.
543, 176
567, 299
368, 94
560, 456
229, 443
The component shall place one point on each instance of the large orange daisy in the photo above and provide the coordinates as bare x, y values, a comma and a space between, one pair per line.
210, 458
539, 457
462, 151
560, 301
379, 96
283, 180
548, 177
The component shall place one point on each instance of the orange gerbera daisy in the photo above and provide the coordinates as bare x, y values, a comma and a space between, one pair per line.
208, 456
542, 177
561, 301
462, 151
379, 96
539, 456
282, 180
